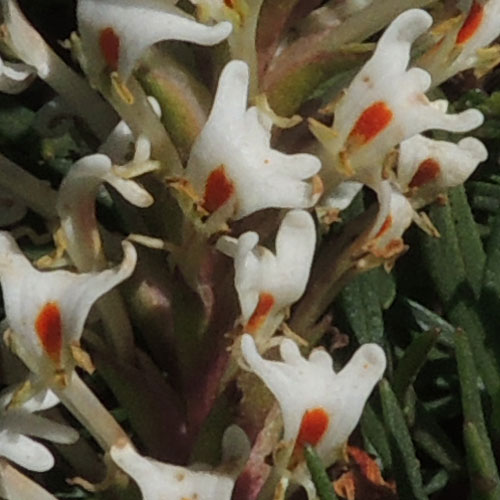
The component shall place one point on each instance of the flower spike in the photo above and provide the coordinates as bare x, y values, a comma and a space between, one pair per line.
46, 311
115, 34
232, 163
268, 284
17, 423
427, 168
373, 116
319, 407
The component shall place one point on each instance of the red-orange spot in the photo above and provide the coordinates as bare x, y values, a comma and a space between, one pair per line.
472, 23
385, 226
110, 47
48, 326
264, 306
372, 121
313, 426
229, 3
218, 189
426, 172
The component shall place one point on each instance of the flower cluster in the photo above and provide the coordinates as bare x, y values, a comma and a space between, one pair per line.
248, 189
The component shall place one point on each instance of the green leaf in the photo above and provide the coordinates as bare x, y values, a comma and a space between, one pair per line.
362, 301
324, 487
412, 361
374, 431
405, 463
430, 437
469, 240
437, 482
428, 320
450, 262
485, 482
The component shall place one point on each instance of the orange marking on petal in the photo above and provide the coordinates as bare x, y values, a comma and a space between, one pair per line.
48, 326
110, 47
313, 427
372, 121
264, 306
426, 172
229, 3
385, 226
471, 24
218, 189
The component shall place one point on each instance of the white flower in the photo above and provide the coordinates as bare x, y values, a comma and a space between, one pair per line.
267, 283
76, 200
27, 44
46, 311
463, 46
384, 105
427, 168
116, 34
18, 422
384, 239
159, 481
232, 163
319, 406
15, 77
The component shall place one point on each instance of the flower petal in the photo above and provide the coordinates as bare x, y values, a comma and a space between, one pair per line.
113, 34
25, 452
235, 145
266, 283
427, 168
384, 105
318, 406
158, 480
47, 310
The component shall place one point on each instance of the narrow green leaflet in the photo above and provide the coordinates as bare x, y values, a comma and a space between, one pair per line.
361, 303
405, 463
485, 482
413, 359
319, 476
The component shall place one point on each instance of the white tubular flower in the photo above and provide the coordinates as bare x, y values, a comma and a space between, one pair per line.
386, 104
427, 168
116, 34
46, 311
319, 407
76, 200
15, 77
27, 44
464, 47
267, 284
18, 422
232, 163
385, 237
121, 140
158, 481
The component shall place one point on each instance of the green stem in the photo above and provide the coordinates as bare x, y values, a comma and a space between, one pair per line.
36, 194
